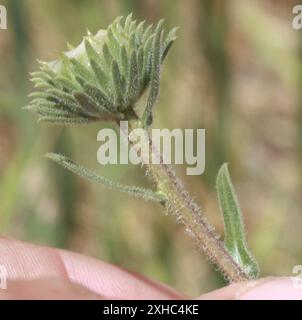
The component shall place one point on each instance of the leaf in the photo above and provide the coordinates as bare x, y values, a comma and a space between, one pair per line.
96, 61
118, 84
234, 240
68, 164
127, 22
100, 74
133, 79
42, 85
139, 33
43, 110
107, 55
148, 59
64, 98
132, 26
140, 66
88, 107
38, 95
117, 28
132, 42
66, 66
93, 109
81, 70
67, 121
171, 37
67, 84
155, 76
113, 43
147, 32
91, 52
45, 103
124, 60
40, 75
100, 97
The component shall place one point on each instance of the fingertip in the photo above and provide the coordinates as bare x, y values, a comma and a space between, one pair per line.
270, 288
283, 288
112, 281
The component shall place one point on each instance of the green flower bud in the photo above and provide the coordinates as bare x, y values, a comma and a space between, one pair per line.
104, 76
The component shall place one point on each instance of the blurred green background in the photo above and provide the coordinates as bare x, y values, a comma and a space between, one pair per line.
235, 70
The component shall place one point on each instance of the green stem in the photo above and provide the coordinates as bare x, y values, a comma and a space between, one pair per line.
180, 204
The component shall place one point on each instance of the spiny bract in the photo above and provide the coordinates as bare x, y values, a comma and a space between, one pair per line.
104, 76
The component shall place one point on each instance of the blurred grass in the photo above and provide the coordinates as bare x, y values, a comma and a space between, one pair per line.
235, 70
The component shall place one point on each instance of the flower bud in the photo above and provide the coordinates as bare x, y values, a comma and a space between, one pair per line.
104, 76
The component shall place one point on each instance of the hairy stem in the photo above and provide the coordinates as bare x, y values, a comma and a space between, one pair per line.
180, 204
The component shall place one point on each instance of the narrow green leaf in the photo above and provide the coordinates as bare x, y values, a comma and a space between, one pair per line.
148, 59
132, 42
118, 84
100, 97
155, 76
128, 22
132, 26
107, 55
46, 111
171, 37
66, 66
96, 95
140, 66
100, 74
97, 64
37, 80
66, 121
166, 50
80, 80
40, 75
124, 60
80, 69
139, 33
113, 43
63, 97
88, 107
117, 28
38, 95
42, 85
91, 52
147, 32
45, 103
234, 240
70, 165
96, 103
67, 84
133, 78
